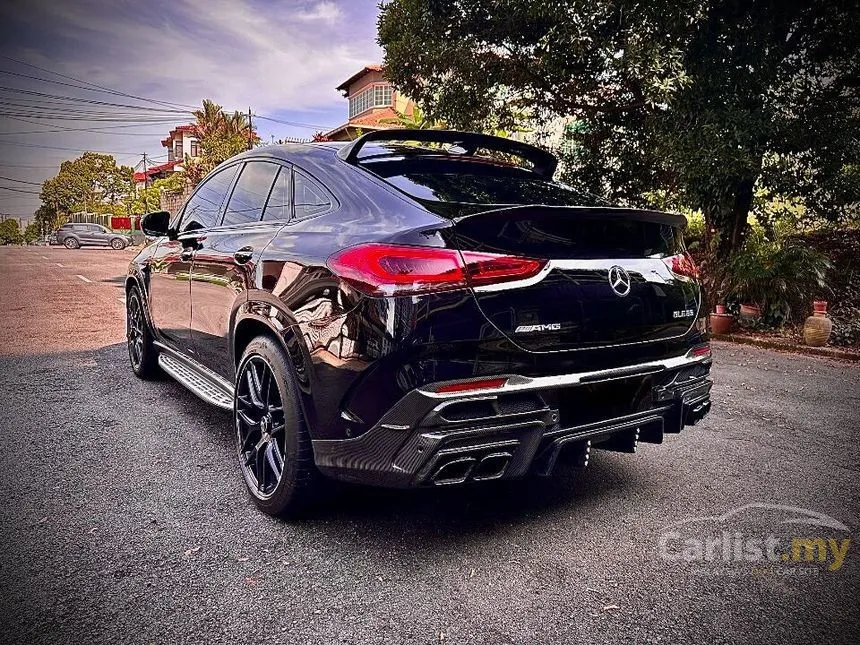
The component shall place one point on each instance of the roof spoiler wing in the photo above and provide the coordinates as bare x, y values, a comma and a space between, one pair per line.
543, 163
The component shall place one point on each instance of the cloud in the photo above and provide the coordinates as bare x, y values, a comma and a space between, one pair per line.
325, 11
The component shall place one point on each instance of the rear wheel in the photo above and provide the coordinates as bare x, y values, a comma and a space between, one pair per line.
273, 445
117, 244
141, 350
71, 243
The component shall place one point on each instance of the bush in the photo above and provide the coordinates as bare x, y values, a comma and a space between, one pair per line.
780, 277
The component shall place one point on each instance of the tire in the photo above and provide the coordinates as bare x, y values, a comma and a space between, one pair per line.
259, 442
117, 244
141, 350
71, 243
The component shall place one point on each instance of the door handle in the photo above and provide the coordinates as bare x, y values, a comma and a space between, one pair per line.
243, 255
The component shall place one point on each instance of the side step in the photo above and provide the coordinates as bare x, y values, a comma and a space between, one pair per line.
204, 383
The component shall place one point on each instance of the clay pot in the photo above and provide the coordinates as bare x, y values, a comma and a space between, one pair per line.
721, 323
816, 329
750, 312
721, 309
819, 306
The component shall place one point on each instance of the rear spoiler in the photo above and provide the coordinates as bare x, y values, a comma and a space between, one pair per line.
607, 212
543, 163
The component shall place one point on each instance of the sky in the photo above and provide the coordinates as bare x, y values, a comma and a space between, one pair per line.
281, 58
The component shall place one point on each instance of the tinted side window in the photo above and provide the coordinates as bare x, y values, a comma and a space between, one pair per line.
249, 196
202, 209
310, 198
278, 206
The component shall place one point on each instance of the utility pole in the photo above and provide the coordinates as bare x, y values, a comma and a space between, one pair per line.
145, 185
250, 130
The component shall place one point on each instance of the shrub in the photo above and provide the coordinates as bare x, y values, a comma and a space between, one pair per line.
780, 277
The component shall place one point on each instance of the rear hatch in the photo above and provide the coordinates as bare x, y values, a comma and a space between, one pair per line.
612, 276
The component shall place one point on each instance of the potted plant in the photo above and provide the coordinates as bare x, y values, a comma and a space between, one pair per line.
772, 279
721, 322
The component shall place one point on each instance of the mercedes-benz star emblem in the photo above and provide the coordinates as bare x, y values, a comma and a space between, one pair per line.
619, 280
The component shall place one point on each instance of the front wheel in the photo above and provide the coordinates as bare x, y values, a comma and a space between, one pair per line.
71, 243
117, 244
272, 440
141, 349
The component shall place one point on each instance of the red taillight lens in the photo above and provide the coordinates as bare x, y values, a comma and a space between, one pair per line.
468, 386
682, 264
701, 351
385, 270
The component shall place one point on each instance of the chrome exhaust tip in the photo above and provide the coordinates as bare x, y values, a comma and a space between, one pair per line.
492, 466
453, 472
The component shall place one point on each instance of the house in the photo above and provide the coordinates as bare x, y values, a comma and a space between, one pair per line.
180, 142
372, 102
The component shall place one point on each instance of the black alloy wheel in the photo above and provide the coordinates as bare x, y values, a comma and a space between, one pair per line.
141, 351
273, 445
260, 426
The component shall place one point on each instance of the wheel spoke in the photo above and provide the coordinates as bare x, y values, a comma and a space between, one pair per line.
261, 470
246, 419
275, 460
254, 387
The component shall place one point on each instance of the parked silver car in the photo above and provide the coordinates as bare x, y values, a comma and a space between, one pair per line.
77, 234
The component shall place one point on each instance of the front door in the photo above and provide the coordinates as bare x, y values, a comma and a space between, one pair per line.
170, 280
224, 263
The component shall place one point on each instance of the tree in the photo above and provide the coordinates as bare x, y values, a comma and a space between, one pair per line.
705, 101
93, 182
47, 218
10, 232
221, 136
416, 121
32, 232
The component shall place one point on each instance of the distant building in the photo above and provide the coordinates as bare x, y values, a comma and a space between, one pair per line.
180, 142
372, 101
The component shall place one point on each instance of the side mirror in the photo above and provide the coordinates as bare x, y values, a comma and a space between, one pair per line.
155, 224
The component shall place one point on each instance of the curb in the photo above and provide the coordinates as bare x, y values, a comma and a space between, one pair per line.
825, 352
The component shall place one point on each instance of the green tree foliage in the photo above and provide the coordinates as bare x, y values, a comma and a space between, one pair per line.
149, 199
47, 218
221, 136
10, 232
706, 100
93, 182
32, 232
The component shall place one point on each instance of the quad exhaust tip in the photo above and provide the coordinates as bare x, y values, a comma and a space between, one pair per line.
457, 471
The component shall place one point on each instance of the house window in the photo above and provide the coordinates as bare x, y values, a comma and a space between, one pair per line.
374, 96
195, 148
177, 150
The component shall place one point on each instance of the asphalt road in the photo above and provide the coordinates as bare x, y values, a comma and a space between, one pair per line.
124, 518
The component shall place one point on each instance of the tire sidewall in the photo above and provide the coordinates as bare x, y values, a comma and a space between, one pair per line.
147, 359
284, 495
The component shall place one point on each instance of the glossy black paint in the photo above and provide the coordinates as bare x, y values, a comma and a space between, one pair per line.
356, 357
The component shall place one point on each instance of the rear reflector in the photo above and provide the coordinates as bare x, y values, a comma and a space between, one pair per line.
682, 265
699, 352
387, 270
486, 384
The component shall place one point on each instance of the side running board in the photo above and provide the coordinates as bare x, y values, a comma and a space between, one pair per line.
200, 381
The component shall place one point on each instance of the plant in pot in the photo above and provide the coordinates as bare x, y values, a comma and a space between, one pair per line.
773, 279
721, 321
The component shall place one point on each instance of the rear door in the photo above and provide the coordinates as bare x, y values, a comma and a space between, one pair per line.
613, 276
99, 235
225, 256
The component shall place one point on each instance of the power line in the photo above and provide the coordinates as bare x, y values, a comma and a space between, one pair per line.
310, 126
100, 87
19, 190
21, 181
33, 145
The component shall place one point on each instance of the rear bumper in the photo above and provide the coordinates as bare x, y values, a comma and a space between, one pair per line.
440, 438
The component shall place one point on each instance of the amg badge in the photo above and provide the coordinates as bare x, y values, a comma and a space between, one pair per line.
529, 329
684, 313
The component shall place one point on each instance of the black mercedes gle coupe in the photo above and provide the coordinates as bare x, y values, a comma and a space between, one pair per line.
418, 308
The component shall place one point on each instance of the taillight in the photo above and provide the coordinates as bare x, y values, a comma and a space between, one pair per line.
384, 270
700, 351
682, 265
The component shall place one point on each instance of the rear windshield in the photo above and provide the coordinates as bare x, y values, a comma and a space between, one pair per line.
507, 188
